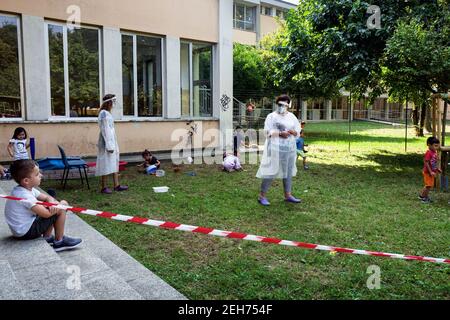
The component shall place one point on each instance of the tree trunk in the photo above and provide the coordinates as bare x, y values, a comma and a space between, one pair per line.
429, 119
444, 159
423, 113
444, 123
415, 118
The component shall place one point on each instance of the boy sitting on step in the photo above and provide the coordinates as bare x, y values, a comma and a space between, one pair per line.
28, 220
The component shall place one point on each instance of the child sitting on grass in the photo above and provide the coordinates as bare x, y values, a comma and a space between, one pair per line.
429, 168
28, 220
231, 163
150, 164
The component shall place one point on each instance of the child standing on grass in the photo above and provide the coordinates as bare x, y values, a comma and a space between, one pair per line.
429, 168
300, 142
28, 220
18, 145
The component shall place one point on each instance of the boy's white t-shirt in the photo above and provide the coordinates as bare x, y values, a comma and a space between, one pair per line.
20, 149
18, 214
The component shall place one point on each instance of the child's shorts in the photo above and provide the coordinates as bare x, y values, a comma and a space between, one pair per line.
301, 153
38, 228
428, 180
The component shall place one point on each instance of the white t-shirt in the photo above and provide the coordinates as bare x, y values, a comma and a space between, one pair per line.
19, 216
20, 149
230, 160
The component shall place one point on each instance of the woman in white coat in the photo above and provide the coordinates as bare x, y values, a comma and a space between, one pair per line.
279, 158
108, 153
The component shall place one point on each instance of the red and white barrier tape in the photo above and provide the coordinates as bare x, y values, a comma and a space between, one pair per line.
228, 234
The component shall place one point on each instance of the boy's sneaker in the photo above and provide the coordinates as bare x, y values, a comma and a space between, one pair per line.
426, 200
50, 240
66, 243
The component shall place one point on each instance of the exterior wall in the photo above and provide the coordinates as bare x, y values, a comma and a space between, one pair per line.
169, 17
264, 24
174, 20
244, 37
268, 25
81, 138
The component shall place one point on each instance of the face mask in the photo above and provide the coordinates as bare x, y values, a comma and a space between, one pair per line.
282, 108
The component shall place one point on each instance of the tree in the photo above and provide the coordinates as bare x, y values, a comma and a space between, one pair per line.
248, 68
328, 45
417, 61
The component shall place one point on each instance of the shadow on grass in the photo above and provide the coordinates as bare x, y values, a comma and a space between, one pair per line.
390, 159
344, 136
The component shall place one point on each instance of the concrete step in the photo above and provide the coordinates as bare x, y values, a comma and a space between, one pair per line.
10, 287
142, 280
102, 282
39, 273
106, 271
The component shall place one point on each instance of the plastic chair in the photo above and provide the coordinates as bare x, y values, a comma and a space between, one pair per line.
71, 163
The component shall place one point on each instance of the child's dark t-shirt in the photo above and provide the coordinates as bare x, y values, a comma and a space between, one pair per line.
153, 161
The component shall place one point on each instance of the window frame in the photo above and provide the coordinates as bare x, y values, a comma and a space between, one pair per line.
191, 80
264, 13
21, 75
136, 116
66, 70
244, 21
282, 13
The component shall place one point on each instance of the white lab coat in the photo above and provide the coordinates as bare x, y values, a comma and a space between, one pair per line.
107, 162
279, 156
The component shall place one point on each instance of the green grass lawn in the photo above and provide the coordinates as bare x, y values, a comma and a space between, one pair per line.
366, 199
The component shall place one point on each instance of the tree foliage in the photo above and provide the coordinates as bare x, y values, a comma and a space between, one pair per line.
327, 45
248, 78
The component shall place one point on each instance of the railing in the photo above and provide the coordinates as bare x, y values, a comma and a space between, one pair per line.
249, 119
205, 101
243, 25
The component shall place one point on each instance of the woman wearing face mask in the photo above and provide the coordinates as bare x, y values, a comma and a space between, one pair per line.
108, 149
279, 158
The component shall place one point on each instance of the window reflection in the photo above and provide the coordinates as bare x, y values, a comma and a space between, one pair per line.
149, 80
83, 56
10, 102
202, 79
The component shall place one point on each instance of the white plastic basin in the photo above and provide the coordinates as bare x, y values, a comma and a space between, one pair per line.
160, 189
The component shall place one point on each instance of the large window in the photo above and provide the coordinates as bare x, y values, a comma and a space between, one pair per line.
74, 67
10, 75
142, 76
244, 17
196, 79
